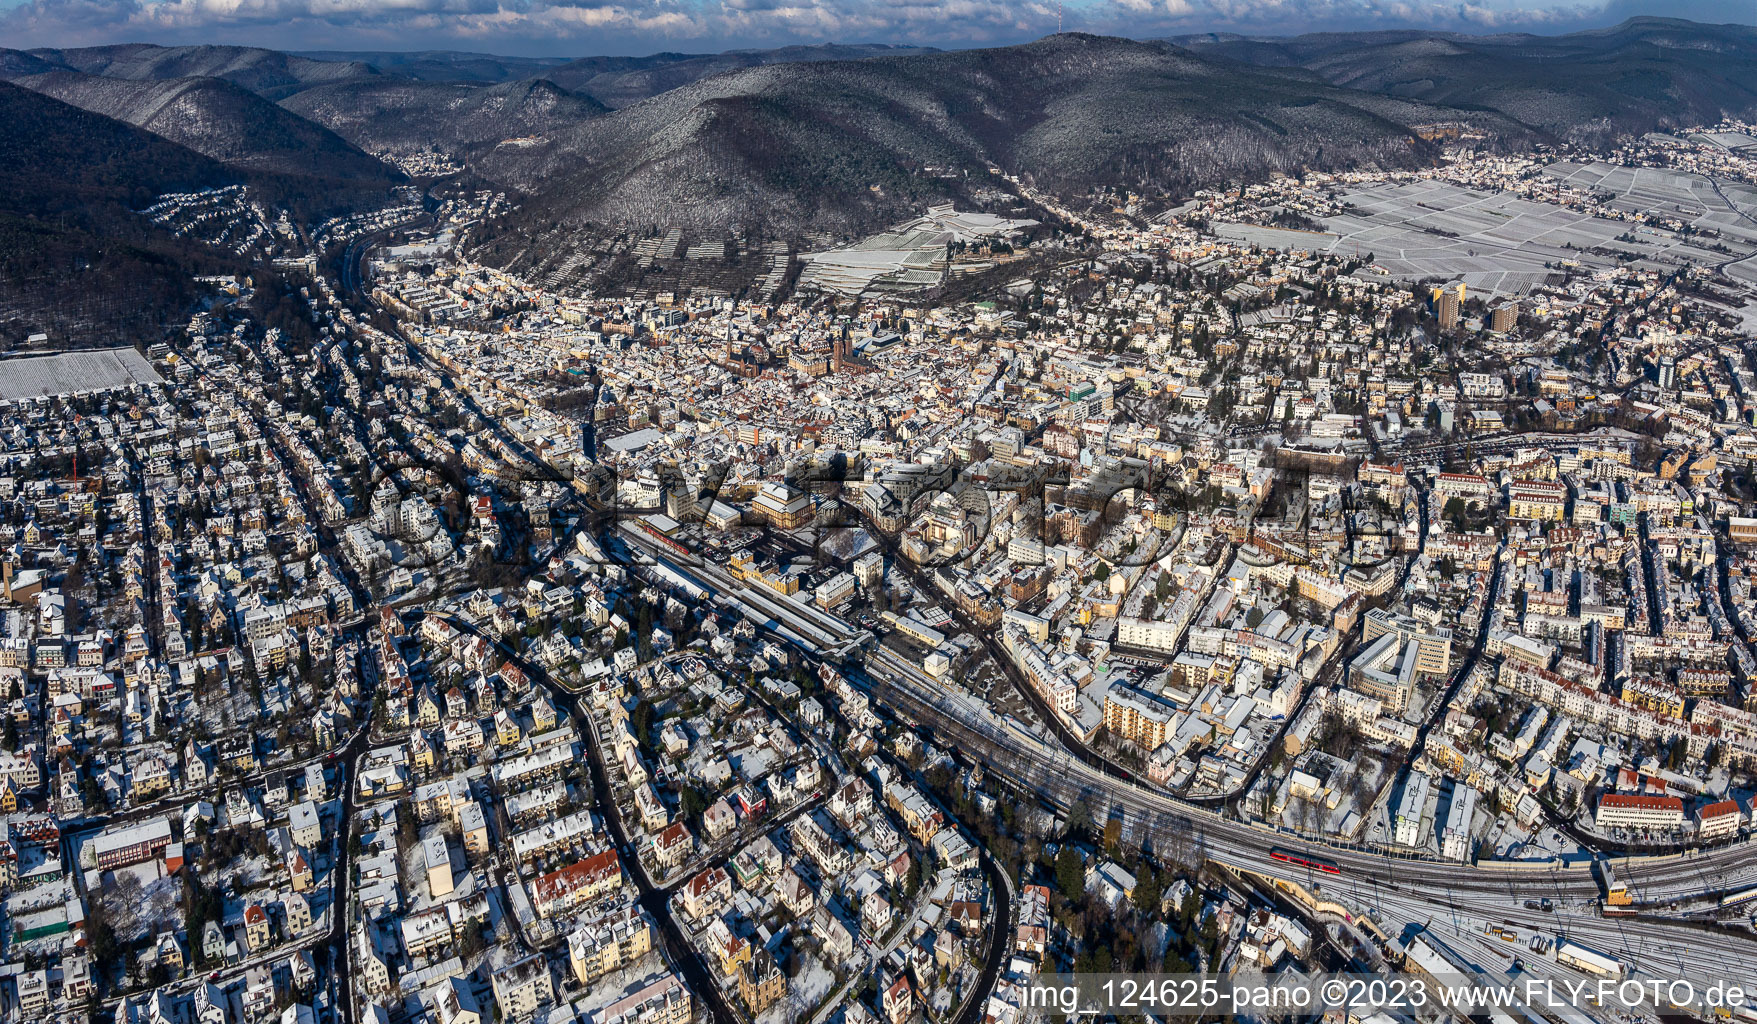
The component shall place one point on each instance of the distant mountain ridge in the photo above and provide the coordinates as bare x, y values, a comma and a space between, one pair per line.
1645, 73
619, 81
268, 73
839, 146
797, 140
399, 117
442, 65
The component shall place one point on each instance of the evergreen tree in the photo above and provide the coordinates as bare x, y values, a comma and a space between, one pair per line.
1070, 873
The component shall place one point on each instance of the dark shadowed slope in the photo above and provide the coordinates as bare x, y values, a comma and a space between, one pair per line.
217, 119
14, 63
75, 260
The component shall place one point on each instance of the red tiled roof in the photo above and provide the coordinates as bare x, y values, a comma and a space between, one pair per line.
1637, 800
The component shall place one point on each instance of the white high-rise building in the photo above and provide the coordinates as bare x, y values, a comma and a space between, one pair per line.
1412, 809
1455, 840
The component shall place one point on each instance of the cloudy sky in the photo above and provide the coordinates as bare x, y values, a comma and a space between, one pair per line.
582, 27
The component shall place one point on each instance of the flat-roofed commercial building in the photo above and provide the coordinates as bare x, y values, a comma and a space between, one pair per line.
1434, 644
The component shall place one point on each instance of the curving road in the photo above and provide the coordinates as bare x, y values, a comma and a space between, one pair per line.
1048, 770
1369, 878
653, 897
1452, 899
1043, 769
